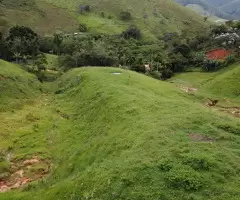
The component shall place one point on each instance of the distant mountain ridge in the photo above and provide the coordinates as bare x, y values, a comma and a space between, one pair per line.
226, 9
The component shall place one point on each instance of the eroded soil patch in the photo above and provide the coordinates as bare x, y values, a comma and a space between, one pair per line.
233, 110
188, 89
24, 172
3, 78
200, 138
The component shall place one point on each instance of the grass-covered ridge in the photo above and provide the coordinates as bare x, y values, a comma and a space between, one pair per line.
16, 86
129, 136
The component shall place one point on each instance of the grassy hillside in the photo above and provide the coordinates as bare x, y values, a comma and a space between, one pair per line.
16, 86
41, 16
226, 83
223, 83
154, 18
126, 136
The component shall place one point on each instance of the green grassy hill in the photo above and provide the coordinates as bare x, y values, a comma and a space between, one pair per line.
154, 17
16, 86
224, 83
125, 136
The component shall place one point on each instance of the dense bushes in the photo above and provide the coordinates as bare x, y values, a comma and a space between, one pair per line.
213, 65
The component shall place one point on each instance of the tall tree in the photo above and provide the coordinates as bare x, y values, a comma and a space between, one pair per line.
24, 41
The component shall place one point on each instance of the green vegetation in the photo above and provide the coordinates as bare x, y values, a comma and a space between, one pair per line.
223, 83
102, 132
17, 86
226, 83
154, 18
124, 136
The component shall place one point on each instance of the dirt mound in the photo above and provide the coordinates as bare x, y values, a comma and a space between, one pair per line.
200, 138
24, 172
235, 111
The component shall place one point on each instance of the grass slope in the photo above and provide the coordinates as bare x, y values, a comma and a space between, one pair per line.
127, 137
223, 83
154, 17
44, 18
226, 83
16, 86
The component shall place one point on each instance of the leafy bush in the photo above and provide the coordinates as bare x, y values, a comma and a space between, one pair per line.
198, 162
132, 32
212, 65
102, 14
187, 179
230, 60
219, 29
156, 74
183, 49
125, 15
82, 27
166, 165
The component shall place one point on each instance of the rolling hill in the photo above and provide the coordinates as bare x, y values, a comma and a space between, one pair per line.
109, 133
154, 18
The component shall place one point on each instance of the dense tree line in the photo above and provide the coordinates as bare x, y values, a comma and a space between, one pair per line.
165, 56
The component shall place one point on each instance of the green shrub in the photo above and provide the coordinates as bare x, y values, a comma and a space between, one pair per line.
125, 15
198, 162
165, 165
82, 27
132, 32
213, 65
102, 14
156, 75
188, 179
230, 60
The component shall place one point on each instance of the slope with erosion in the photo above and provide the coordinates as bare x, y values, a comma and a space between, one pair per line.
223, 86
127, 136
153, 17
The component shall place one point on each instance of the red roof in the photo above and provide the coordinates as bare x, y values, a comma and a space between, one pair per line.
218, 54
